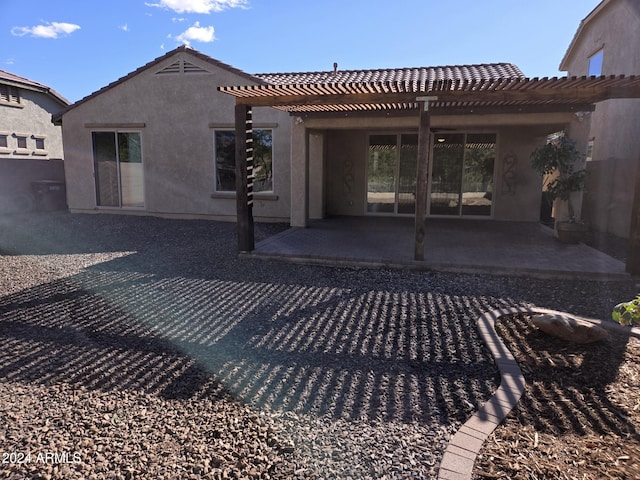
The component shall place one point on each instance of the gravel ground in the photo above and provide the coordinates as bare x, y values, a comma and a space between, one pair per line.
138, 347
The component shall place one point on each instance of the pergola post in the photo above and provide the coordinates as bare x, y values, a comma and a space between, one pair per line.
633, 257
422, 174
244, 178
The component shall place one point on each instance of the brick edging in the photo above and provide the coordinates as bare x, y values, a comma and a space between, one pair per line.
461, 452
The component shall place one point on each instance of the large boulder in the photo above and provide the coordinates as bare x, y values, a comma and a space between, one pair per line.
570, 328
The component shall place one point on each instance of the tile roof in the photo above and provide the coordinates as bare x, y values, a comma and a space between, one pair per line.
420, 75
31, 85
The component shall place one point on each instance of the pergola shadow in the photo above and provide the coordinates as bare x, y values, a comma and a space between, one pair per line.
373, 356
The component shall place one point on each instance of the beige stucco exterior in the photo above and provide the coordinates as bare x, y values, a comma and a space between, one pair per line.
613, 129
319, 161
176, 111
31, 118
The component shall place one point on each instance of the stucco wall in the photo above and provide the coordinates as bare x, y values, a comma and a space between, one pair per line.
346, 167
33, 117
19, 168
176, 115
615, 123
517, 188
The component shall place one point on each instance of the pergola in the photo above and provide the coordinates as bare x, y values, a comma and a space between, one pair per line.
423, 99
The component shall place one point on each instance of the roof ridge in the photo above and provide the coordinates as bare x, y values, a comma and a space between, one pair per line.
156, 61
383, 69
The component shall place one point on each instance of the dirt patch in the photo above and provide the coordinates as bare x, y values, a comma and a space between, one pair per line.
579, 417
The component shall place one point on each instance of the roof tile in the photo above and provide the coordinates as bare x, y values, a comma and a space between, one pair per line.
425, 75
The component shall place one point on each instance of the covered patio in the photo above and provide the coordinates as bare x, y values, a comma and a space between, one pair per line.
469, 246
424, 241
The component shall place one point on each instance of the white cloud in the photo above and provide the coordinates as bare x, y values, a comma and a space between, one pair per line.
199, 6
196, 33
124, 28
50, 30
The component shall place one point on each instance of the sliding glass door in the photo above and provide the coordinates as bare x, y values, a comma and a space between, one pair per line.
391, 176
462, 174
118, 167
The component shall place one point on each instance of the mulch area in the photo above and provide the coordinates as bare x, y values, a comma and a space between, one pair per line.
579, 417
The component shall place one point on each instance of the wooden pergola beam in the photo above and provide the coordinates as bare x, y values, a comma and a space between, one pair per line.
244, 178
422, 176
516, 97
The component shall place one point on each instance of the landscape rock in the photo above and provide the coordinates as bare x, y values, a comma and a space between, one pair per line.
570, 328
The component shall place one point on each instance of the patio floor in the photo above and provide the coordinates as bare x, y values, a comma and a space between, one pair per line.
469, 246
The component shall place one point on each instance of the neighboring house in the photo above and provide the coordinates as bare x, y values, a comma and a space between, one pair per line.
160, 141
30, 145
607, 43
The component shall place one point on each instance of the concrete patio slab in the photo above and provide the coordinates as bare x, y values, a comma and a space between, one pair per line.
466, 246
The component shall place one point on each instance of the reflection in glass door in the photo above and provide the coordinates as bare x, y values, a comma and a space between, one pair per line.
391, 180
462, 174
118, 167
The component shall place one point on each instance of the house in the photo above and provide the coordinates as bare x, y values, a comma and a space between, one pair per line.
606, 43
30, 145
160, 141
185, 132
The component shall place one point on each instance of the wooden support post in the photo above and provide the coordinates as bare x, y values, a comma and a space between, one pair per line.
244, 178
422, 177
633, 256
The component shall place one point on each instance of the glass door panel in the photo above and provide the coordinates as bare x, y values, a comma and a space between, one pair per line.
446, 174
131, 181
477, 181
407, 173
381, 181
106, 166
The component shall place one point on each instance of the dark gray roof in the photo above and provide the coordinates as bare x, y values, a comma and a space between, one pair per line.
421, 75
17, 80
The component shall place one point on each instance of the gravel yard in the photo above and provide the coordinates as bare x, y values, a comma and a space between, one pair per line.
137, 347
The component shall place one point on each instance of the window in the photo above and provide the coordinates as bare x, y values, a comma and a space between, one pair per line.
462, 174
391, 174
117, 158
21, 144
3, 140
595, 63
225, 158
39, 147
9, 94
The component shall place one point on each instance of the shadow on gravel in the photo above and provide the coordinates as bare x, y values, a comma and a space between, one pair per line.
374, 356
567, 384
181, 316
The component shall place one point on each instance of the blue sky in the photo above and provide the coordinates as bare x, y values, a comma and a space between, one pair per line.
77, 47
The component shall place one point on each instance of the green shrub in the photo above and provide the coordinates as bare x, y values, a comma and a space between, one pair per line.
627, 313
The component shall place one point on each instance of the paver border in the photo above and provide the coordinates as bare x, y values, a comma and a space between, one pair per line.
463, 448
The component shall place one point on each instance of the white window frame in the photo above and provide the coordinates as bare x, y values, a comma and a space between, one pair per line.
598, 55
4, 147
40, 151
21, 150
